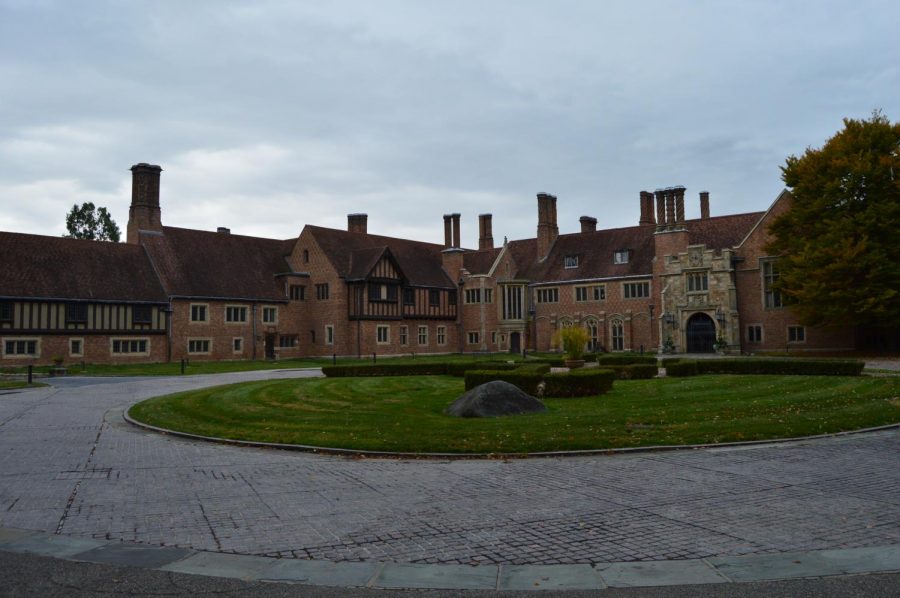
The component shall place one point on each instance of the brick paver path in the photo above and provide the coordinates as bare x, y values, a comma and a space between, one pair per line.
69, 464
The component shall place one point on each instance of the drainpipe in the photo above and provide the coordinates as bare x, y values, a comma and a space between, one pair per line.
169, 312
253, 340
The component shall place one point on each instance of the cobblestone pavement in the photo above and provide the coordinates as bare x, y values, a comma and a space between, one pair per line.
69, 464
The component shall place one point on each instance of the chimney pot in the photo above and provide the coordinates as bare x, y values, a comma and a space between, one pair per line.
485, 232
144, 213
224, 230
646, 209
448, 230
547, 229
588, 224
704, 205
456, 236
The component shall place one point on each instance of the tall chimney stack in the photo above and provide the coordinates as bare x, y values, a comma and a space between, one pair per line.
448, 230
547, 229
669, 192
144, 213
588, 224
646, 209
357, 223
704, 205
485, 232
456, 236
678, 192
660, 209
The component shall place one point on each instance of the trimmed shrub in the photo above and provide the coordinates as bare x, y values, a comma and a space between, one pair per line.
556, 362
625, 359
637, 371
526, 380
799, 367
578, 383
459, 369
678, 368
432, 368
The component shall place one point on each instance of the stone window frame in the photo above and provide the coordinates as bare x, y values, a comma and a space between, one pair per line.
702, 276
621, 256
634, 286
79, 340
798, 332
205, 312
570, 262
404, 335
203, 339
297, 292
473, 337
265, 309
237, 345
122, 339
472, 296
322, 291
233, 307
441, 336
293, 344
386, 329
547, 295
17, 339
770, 299
422, 333
329, 334
620, 324
754, 334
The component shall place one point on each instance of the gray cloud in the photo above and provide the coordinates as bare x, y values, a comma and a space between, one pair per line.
269, 115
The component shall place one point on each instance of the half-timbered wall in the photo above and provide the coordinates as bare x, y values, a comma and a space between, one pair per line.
44, 317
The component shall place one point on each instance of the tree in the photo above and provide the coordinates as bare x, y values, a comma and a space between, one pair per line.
838, 243
88, 222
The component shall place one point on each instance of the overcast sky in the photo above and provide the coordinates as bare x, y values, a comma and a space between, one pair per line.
269, 115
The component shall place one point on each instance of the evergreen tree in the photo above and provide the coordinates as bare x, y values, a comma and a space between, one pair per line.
840, 240
88, 222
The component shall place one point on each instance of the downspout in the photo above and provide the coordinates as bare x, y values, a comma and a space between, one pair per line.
169, 313
253, 339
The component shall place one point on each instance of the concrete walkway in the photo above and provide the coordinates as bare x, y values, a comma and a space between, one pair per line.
75, 477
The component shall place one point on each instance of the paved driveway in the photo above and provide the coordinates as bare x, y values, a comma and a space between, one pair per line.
69, 464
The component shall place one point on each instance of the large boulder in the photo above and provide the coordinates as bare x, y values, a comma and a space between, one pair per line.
493, 399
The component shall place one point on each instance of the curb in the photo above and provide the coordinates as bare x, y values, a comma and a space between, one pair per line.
714, 570
324, 450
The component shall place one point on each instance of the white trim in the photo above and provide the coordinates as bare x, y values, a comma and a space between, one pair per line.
128, 340
208, 351
37, 347
80, 353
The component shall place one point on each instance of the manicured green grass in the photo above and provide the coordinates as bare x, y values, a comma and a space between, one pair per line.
221, 367
406, 413
11, 384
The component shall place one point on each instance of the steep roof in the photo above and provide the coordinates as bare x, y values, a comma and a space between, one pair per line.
480, 261
419, 261
595, 251
721, 232
195, 263
36, 266
524, 254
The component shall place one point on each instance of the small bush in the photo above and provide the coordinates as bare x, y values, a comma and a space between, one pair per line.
678, 368
637, 371
526, 380
433, 368
578, 383
626, 359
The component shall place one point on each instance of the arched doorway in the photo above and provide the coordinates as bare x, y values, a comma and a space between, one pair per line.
701, 334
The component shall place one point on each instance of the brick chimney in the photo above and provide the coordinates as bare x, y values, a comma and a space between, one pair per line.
456, 237
660, 209
669, 193
358, 223
485, 232
704, 205
646, 209
144, 213
448, 230
678, 192
588, 224
547, 229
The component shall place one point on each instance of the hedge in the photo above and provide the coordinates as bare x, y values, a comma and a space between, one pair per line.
432, 368
797, 367
525, 379
637, 371
626, 359
459, 369
579, 383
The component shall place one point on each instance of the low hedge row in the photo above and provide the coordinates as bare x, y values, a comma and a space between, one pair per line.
578, 383
527, 380
637, 371
797, 367
433, 368
459, 369
625, 359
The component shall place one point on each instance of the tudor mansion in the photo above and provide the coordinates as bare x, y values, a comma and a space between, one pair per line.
172, 293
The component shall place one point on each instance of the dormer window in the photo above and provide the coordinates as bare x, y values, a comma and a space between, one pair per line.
621, 256
571, 261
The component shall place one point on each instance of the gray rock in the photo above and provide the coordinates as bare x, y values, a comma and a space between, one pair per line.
493, 399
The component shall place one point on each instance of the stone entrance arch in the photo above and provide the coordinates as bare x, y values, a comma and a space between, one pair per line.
701, 334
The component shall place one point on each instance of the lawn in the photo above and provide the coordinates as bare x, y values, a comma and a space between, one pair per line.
405, 414
13, 384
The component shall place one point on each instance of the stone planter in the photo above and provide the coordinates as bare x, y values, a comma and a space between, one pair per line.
574, 363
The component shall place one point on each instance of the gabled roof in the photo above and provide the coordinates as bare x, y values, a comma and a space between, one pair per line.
195, 263
721, 232
36, 266
420, 262
524, 254
480, 261
595, 251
